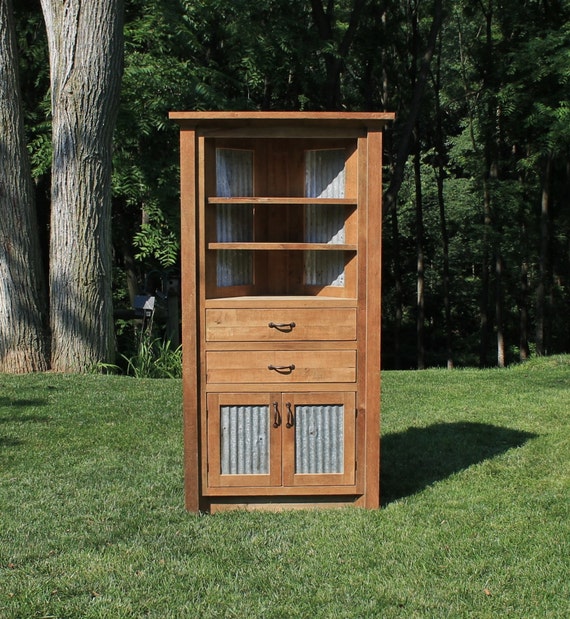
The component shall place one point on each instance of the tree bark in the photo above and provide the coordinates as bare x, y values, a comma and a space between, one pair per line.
86, 52
23, 305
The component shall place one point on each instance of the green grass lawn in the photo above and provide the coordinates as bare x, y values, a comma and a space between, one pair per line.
475, 518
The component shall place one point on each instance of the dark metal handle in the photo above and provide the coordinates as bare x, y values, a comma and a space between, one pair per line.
282, 369
282, 326
276, 415
290, 419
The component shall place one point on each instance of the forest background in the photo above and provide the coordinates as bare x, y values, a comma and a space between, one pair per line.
476, 235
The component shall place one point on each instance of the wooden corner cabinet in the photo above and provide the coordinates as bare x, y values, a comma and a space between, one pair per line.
281, 249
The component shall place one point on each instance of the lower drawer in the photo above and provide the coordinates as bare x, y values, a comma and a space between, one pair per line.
276, 366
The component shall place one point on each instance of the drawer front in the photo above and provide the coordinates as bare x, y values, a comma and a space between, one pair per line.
276, 366
280, 325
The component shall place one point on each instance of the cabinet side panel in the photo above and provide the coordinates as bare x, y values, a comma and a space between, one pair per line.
363, 231
189, 317
373, 317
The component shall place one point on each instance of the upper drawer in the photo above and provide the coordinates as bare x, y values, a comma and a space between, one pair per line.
279, 325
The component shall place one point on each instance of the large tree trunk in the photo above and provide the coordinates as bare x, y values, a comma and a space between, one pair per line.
23, 308
86, 51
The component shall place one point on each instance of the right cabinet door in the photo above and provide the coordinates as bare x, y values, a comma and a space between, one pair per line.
319, 439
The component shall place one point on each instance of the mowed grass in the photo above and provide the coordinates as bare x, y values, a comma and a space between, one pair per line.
475, 517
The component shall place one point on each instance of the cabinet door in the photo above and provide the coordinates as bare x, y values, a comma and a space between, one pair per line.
319, 435
244, 439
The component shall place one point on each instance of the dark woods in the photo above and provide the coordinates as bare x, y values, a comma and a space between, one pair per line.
476, 238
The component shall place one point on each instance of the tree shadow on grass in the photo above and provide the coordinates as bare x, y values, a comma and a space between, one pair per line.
9, 442
416, 458
14, 411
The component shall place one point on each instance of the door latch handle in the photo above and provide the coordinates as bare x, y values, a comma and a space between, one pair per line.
276, 415
290, 419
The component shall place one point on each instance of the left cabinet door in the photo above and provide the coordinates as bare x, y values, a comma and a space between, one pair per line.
244, 439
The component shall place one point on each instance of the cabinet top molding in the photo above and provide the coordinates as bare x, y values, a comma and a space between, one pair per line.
370, 120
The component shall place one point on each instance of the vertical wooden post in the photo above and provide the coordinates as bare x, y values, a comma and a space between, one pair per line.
189, 317
373, 321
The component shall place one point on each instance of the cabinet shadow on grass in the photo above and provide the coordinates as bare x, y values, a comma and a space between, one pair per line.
416, 458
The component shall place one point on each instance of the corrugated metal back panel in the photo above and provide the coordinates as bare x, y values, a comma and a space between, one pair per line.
244, 440
234, 172
324, 173
324, 178
234, 222
319, 439
324, 268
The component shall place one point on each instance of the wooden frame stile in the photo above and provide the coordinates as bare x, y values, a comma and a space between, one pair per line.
202, 413
373, 330
362, 313
191, 384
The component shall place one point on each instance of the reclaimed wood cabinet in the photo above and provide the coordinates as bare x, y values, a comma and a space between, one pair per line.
281, 254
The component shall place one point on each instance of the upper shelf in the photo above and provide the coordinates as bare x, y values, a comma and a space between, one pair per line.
285, 201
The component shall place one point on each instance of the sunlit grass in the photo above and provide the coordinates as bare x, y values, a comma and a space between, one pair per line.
475, 487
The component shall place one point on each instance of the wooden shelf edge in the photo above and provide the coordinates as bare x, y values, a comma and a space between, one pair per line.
253, 246
283, 201
279, 301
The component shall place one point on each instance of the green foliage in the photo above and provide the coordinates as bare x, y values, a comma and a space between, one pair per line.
500, 75
155, 358
155, 239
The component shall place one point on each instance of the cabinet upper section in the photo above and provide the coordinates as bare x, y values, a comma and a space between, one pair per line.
280, 200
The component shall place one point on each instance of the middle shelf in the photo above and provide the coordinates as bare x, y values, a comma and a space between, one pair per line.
283, 200
252, 245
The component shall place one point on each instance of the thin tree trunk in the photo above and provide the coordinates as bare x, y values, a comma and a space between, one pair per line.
334, 61
499, 311
484, 298
420, 251
542, 288
399, 290
85, 47
524, 352
440, 175
405, 139
490, 175
23, 305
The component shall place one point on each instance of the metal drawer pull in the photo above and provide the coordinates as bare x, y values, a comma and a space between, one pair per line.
276, 415
290, 420
282, 369
282, 326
